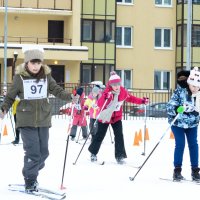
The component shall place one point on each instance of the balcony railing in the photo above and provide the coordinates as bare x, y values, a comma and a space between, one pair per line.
36, 40
39, 4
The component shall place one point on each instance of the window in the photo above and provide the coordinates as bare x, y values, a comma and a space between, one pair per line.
55, 31
196, 35
86, 73
124, 1
123, 36
99, 31
162, 38
185, 1
125, 77
163, 2
161, 80
87, 30
110, 31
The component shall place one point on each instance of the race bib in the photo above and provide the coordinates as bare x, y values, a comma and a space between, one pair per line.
78, 106
35, 90
118, 105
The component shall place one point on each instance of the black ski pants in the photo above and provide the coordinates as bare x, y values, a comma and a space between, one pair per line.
119, 139
35, 144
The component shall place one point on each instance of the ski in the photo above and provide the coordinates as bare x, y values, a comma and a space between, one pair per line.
181, 181
98, 162
40, 189
38, 194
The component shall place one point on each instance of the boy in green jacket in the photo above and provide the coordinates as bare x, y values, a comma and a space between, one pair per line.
33, 83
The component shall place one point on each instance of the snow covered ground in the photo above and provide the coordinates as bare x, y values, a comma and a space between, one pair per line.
88, 181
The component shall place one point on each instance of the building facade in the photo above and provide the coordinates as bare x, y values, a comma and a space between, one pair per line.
144, 41
53, 24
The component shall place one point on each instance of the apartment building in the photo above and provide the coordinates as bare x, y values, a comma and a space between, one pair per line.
181, 21
53, 24
98, 22
143, 40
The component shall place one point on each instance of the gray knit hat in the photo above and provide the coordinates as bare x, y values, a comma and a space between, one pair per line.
33, 52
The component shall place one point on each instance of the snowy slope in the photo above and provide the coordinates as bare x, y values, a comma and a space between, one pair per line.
88, 181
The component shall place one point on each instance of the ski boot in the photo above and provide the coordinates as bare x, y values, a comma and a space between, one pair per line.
177, 174
120, 161
195, 174
31, 185
16, 141
93, 158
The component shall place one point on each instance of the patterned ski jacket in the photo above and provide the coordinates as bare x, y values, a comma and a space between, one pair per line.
179, 98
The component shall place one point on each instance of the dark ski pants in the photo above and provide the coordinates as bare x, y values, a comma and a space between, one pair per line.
119, 139
180, 134
93, 129
74, 129
35, 144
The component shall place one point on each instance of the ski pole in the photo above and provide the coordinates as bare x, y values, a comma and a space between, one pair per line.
110, 135
95, 123
145, 125
67, 144
132, 178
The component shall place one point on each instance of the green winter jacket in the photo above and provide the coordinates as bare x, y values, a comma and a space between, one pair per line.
34, 112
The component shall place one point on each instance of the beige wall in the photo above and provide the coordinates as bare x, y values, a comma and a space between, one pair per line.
26, 23
143, 58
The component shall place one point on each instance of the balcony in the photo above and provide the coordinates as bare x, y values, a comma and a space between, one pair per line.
39, 4
36, 40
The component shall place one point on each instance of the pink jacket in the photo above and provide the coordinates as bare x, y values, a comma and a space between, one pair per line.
79, 116
123, 96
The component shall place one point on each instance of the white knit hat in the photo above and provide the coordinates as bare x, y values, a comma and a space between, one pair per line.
33, 52
194, 77
114, 78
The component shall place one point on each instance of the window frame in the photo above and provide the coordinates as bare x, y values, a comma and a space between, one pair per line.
163, 4
125, 3
123, 38
162, 39
161, 80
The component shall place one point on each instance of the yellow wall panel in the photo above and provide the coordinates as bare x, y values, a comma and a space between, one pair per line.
111, 7
110, 51
44, 4
88, 7
99, 49
100, 7
29, 4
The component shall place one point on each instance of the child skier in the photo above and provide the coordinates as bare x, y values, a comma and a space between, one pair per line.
186, 124
91, 105
110, 106
78, 115
33, 83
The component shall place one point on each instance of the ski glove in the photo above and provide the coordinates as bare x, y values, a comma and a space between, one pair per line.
145, 100
186, 108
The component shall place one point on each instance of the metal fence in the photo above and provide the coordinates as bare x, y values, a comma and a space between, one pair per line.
155, 96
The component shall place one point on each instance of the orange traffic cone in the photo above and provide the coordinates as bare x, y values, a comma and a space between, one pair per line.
5, 131
140, 135
146, 134
136, 140
171, 135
